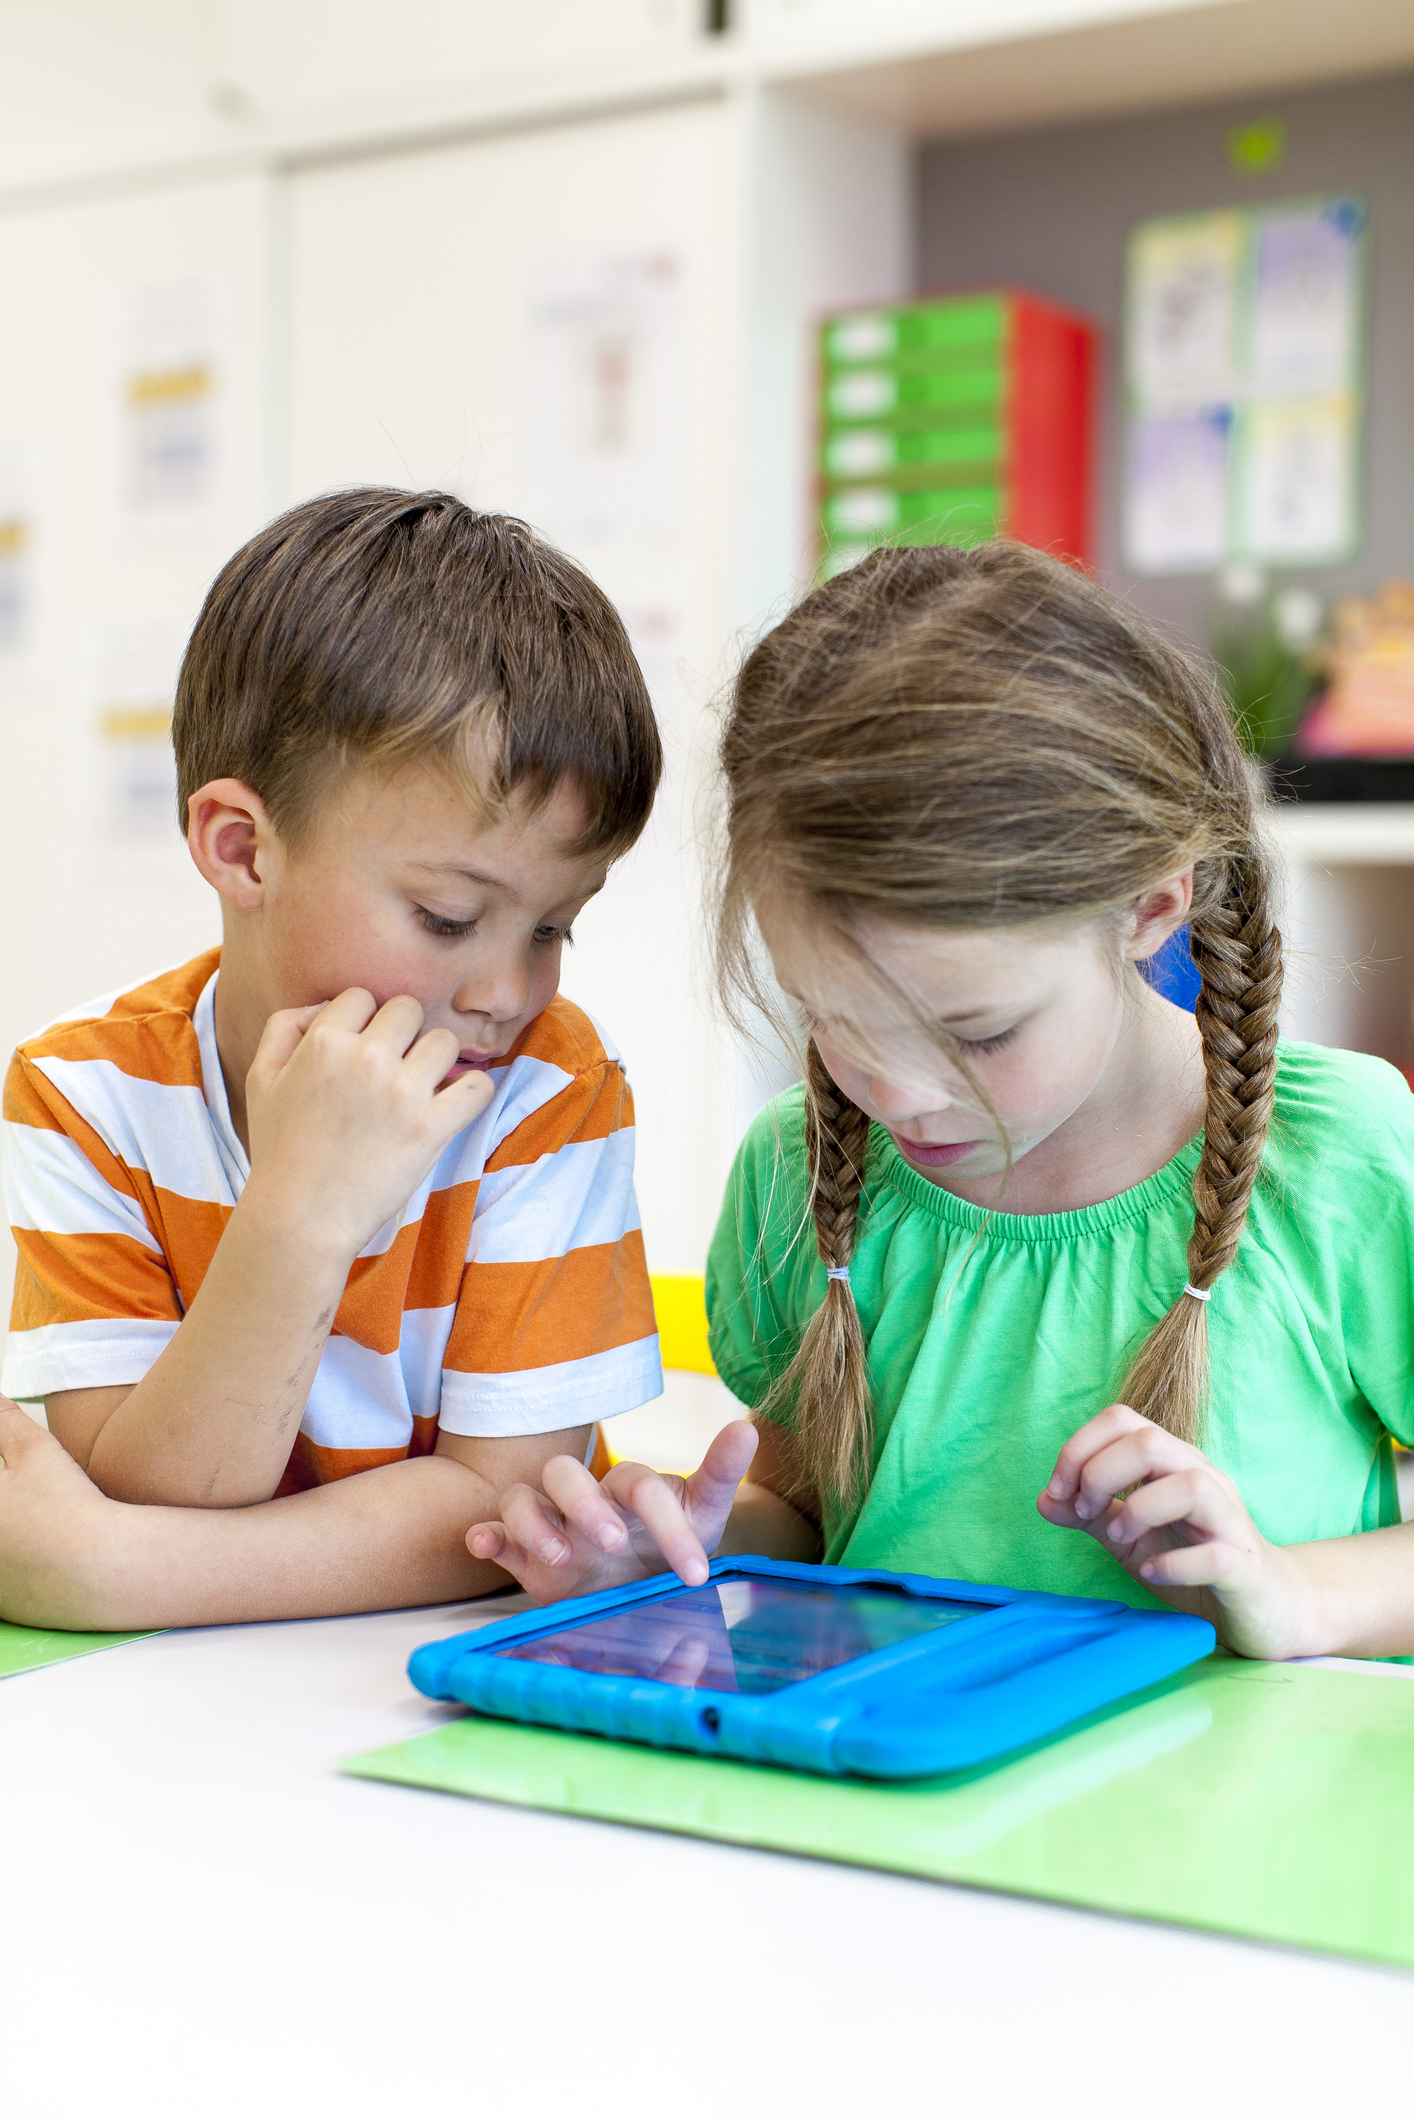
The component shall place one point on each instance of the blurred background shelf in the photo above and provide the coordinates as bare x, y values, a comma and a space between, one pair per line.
1348, 921
1339, 835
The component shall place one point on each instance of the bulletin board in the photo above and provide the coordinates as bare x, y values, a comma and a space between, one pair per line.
1244, 372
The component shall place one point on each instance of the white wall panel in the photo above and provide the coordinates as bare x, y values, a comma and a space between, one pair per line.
412, 280
287, 57
830, 223
92, 902
81, 73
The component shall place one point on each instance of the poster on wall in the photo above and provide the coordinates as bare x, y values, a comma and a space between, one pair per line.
133, 684
605, 386
1244, 371
1183, 311
18, 541
171, 406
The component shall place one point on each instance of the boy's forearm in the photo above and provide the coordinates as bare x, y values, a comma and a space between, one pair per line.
388, 1538
214, 1420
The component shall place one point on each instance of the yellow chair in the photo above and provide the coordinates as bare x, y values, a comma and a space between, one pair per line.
680, 1305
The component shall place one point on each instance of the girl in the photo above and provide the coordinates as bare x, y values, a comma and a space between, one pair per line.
1067, 1237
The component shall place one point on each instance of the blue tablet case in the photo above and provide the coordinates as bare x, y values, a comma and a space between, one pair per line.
892, 1690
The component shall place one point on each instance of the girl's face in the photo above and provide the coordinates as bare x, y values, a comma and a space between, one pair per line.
1036, 1012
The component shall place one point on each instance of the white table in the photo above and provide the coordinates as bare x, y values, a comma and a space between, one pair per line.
202, 1919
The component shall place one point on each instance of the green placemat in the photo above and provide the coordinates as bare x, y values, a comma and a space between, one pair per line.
25, 1649
1268, 1801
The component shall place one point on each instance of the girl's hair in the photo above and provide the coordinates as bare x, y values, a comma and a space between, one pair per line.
949, 739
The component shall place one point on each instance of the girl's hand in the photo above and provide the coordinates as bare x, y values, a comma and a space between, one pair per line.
1177, 1524
583, 1535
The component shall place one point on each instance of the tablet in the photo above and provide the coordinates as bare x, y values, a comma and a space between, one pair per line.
839, 1671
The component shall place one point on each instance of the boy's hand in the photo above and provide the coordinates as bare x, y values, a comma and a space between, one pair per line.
346, 1117
1177, 1524
53, 1527
583, 1535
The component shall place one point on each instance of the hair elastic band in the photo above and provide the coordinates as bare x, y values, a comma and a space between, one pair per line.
1201, 1294
837, 1273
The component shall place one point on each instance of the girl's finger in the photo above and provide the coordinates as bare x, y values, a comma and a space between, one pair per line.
1140, 1455
1100, 1430
1215, 1565
534, 1523
1193, 1496
1062, 1514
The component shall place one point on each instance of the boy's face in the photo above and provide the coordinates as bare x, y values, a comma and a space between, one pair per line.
401, 888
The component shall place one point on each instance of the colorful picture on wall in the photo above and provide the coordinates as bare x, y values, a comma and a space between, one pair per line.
1244, 372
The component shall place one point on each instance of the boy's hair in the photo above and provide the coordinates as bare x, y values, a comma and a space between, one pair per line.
375, 627
976, 739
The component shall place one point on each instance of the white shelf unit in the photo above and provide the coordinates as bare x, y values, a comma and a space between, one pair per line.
1348, 925
374, 225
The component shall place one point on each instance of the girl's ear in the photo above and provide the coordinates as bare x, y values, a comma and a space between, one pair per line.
232, 842
1152, 918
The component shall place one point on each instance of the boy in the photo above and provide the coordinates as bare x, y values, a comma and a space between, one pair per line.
329, 1235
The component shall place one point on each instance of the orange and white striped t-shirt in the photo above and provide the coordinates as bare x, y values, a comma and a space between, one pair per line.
510, 1296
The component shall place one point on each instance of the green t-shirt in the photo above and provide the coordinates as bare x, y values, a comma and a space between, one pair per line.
992, 1337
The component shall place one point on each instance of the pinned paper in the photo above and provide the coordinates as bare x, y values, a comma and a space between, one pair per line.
171, 401
17, 550
1296, 489
1244, 371
132, 725
605, 389
1183, 304
1178, 481
1306, 300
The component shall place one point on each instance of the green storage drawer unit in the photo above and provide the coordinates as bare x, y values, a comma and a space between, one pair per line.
954, 420
868, 452
857, 518
916, 333
900, 399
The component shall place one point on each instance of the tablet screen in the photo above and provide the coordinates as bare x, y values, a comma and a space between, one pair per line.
743, 1634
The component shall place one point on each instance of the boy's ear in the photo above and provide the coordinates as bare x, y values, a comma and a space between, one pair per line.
232, 841
1158, 913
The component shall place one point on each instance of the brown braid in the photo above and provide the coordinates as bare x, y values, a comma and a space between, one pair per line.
1237, 948
825, 1392
836, 1138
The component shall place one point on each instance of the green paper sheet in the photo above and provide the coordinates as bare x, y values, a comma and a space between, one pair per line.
26, 1649
1264, 1800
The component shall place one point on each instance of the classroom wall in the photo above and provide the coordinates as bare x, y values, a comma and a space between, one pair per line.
95, 884
414, 285
90, 86
1050, 209
376, 325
